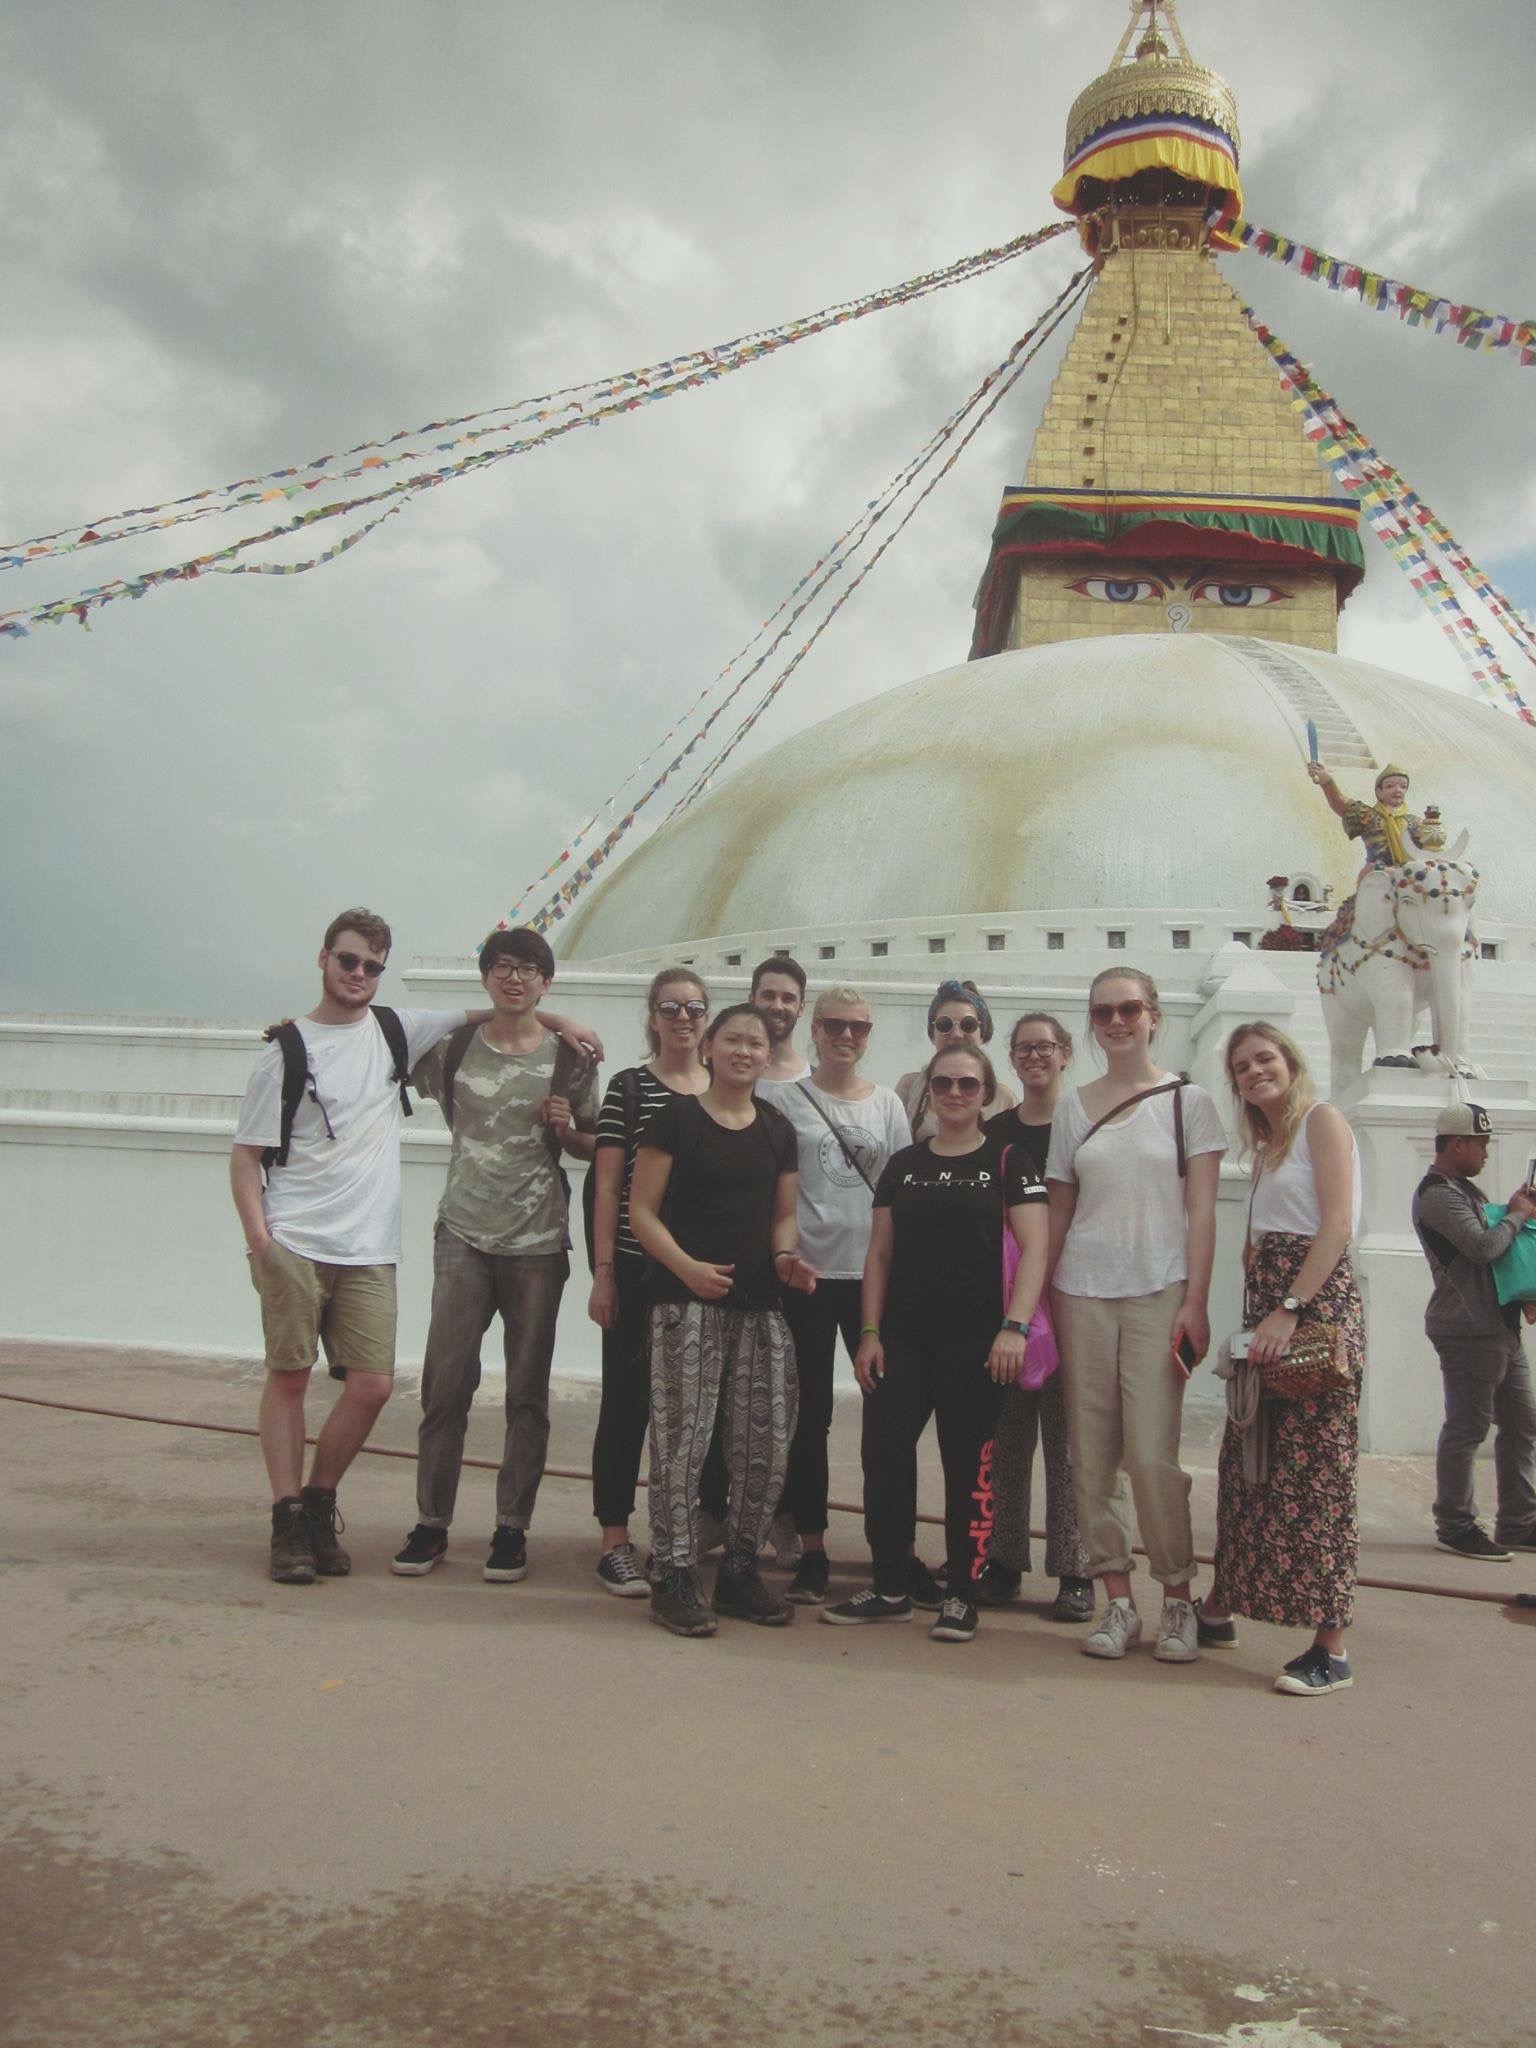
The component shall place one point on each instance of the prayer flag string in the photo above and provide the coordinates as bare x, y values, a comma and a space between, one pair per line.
1401, 521
993, 389
1470, 326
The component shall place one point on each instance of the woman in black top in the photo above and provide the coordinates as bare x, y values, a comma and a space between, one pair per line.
1040, 1049
676, 1010
713, 1203
937, 1338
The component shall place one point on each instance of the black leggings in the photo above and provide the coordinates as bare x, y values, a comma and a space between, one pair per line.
625, 1413
814, 1322
943, 1375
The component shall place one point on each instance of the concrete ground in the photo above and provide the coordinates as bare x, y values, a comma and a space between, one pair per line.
376, 1811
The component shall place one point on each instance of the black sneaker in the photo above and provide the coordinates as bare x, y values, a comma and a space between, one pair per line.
870, 1606
424, 1548
1315, 1672
1074, 1599
1524, 1539
741, 1594
676, 1605
956, 1622
293, 1546
1215, 1635
509, 1557
325, 1522
808, 1588
618, 1572
1474, 1544
996, 1586
923, 1587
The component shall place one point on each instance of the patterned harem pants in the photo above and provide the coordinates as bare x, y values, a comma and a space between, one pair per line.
739, 1364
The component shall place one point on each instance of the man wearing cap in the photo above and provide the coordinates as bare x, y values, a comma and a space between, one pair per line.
1487, 1379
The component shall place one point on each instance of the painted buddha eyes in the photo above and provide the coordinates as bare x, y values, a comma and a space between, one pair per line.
1151, 590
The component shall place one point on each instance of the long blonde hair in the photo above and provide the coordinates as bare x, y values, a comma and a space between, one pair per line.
1269, 1140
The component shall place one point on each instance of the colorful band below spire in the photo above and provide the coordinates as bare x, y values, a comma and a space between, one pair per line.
1194, 149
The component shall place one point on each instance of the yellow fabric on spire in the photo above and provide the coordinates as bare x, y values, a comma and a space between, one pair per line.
1201, 162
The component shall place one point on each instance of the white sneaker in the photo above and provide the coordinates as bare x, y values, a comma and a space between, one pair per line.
1119, 1631
1178, 1633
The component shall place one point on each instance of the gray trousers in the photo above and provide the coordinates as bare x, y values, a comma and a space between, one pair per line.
1487, 1386
469, 1287
739, 1364
1027, 1418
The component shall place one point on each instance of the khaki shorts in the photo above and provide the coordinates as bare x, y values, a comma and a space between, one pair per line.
348, 1309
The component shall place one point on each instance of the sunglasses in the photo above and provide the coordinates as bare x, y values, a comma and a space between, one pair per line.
1036, 1049
525, 970
671, 1009
349, 963
965, 1085
1127, 1013
965, 1024
856, 1028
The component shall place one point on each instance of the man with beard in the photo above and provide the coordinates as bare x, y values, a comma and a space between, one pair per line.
778, 991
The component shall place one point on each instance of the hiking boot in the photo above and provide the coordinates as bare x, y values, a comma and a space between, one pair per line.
1118, 1631
618, 1572
424, 1548
957, 1622
676, 1605
293, 1546
509, 1557
1215, 1635
1474, 1544
1178, 1634
741, 1594
996, 1586
1074, 1599
808, 1588
869, 1606
923, 1587
331, 1561
784, 1539
1315, 1672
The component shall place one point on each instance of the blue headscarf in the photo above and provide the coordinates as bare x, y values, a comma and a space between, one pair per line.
961, 992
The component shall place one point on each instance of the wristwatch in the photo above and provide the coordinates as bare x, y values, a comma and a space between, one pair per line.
1019, 1329
1292, 1306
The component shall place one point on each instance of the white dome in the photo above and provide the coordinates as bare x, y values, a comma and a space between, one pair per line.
1133, 771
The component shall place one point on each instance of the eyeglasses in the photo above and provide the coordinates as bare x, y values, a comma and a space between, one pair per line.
671, 1009
965, 1024
1127, 1013
856, 1028
525, 970
349, 963
1036, 1049
965, 1085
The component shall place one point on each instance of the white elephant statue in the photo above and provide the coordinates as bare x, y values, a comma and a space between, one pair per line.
1401, 945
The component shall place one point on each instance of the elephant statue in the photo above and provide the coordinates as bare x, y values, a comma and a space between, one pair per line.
1401, 945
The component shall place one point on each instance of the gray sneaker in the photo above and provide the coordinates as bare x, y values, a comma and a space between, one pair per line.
676, 1605
1117, 1632
741, 1595
1178, 1633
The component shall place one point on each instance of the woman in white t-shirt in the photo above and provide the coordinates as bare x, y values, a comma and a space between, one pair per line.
1133, 1169
847, 1128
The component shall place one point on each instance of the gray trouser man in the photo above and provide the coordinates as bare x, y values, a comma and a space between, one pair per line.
1487, 1386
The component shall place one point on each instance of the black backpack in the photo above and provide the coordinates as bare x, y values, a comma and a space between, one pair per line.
289, 1040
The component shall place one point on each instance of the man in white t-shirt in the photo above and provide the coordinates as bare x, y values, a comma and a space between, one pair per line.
323, 1234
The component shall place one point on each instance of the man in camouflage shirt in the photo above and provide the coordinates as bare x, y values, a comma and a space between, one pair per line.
514, 1099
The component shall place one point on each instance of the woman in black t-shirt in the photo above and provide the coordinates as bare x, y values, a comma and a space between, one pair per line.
713, 1203
937, 1339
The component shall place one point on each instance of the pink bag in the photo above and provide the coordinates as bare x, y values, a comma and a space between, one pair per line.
1041, 1357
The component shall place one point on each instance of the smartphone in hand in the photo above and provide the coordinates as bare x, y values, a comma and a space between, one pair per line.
1184, 1353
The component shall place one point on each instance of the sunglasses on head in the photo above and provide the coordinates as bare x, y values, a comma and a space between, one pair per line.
965, 1085
672, 1009
856, 1028
965, 1024
1127, 1012
349, 963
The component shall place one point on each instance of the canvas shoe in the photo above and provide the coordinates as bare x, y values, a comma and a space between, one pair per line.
1074, 1599
1215, 1635
1119, 1630
508, 1560
808, 1588
1178, 1634
425, 1548
618, 1572
869, 1606
1523, 1539
996, 1586
1313, 1673
957, 1622
1474, 1544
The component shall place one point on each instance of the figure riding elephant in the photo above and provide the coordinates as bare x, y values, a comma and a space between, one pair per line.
1402, 944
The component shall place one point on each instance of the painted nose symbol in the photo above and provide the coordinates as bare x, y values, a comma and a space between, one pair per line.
1178, 617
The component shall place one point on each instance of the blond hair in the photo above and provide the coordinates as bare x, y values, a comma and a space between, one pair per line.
1269, 1140
842, 996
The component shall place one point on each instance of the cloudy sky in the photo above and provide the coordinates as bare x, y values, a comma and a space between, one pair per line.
237, 237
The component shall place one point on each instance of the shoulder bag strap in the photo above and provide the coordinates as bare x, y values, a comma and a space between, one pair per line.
1130, 1102
458, 1044
850, 1158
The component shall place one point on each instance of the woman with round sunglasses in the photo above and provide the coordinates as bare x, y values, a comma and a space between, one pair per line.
676, 1012
933, 1342
958, 1015
1040, 1049
1133, 1169
847, 1128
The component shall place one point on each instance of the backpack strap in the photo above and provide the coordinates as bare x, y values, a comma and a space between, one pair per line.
459, 1042
289, 1040
571, 1069
389, 1023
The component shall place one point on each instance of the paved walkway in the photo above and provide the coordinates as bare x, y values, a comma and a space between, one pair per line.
382, 1813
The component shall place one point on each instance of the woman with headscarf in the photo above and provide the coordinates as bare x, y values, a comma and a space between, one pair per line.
958, 1015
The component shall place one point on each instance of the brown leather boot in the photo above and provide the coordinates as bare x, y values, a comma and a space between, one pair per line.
320, 1509
293, 1549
